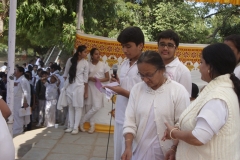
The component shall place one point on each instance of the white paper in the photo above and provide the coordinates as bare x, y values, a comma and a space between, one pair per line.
24, 112
112, 84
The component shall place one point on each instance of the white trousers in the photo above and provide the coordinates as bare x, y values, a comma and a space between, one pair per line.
18, 121
50, 111
41, 106
91, 111
75, 114
119, 144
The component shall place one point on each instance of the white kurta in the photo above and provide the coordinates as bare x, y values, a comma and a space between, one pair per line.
51, 102
178, 72
95, 97
169, 101
7, 150
20, 91
75, 91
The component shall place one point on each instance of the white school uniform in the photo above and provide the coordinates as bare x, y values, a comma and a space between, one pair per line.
128, 78
178, 72
75, 92
20, 91
51, 102
94, 102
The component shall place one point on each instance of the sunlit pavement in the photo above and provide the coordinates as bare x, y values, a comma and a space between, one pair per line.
54, 144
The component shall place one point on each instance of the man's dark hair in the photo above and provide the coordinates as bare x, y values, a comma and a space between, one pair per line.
235, 39
44, 73
5, 63
195, 91
131, 34
169, 34
21, 69
54, 67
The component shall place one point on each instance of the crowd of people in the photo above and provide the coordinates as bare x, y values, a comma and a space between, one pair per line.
160, 114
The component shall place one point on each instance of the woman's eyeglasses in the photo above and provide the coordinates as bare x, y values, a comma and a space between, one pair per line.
147, 76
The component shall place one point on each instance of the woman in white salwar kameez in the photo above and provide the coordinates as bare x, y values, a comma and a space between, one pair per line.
51, 100
152, 102
75, 87
94, 102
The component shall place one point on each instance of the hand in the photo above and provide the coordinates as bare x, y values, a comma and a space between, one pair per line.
167, 132
85, 95
116, 89
25, 105
127, 154
93, 79
114, 79
170, 155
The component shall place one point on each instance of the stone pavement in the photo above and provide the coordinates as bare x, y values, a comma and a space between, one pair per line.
54, 144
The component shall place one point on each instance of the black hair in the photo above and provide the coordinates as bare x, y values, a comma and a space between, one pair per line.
21, 69
131, 34
35, 65
24, 64
92, 51
235, 39
195, 91
222, 61
27, 76
4, 75
29, 72
5, 63
74, 61
44, 72
153, 58
168, 34
41, 63
39, 70
54, 66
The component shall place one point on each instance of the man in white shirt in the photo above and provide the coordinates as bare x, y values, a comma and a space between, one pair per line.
22, 98
4, 67
132, 41
168, 42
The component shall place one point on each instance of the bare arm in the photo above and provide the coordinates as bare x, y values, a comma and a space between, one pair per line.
106, 77
187, 137
127, 154
4, 109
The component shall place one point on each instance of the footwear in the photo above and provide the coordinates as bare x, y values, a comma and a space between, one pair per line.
91, 129
82, 128
38, 125
68, 130
75, 131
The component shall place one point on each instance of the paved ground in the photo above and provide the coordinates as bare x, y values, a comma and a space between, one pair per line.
54, 144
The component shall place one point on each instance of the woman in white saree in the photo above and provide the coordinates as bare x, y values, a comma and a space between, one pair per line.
152, 102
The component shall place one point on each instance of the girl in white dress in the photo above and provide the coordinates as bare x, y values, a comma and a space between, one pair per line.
152, 102
51, 100
76, 72
94, 102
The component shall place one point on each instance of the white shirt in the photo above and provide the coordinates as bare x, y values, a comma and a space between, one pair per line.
210, 120
169, 101
237, 71
180, 73
128, 78
51, 91
3, 68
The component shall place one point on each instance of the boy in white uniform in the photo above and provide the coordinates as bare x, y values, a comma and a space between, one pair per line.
168, 42
132, 41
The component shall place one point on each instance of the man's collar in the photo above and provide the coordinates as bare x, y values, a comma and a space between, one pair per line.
174, 63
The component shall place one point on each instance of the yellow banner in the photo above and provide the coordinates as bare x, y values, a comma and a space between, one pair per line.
111, 50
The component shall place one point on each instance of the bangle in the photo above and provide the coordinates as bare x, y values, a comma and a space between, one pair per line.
171, 133
127, 140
